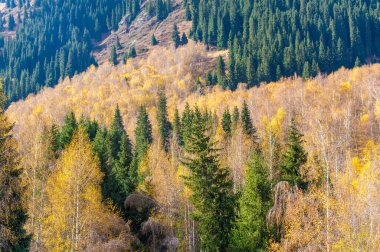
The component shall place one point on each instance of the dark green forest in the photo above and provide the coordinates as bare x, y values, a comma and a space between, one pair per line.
270, 39
53, 41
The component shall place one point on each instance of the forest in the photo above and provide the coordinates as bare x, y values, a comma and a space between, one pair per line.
271, 39
147, 156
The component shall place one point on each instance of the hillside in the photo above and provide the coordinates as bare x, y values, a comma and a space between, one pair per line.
337, 114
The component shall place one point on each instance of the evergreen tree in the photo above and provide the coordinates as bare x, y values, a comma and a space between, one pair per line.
114, 135
120, 182
177, 128
212, 189
226, 122
250, 232
68, 129
13, 215
143, 134
184, 39
175, 36
113, 56
164, 126
154, 40
246, 121
132, 52
294, 157
187, 120
117, 43
220, 72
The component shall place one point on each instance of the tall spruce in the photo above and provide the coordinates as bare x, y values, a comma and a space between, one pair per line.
177, 128
226, 122
13, 215
175, 36
212, 189
114, 135
294, 157
246, 121
69, 127
143, 134
187, 120
250, 232
164, 126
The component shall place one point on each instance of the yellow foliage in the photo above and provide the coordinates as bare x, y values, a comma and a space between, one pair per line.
74, 198
364, 118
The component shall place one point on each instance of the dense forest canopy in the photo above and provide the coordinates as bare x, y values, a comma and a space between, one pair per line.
269, 39
300, 155
54, 40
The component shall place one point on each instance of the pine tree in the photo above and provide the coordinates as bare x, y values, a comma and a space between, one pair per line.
212, 189
220, 72
117, 43
143, 134
120, 182
187, 120
294, 157
250, 232
132, 52
246, 121
226, 122
184, 39
154, 40
113, 56
177, 128
68, 129
13, 215
115, 134
164, 126
175, 36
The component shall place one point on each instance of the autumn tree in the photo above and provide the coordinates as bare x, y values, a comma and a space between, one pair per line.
250, 232
211, 186
294, 157
74, 197
13, 215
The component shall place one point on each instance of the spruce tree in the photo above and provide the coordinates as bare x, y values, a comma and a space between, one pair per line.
294, 157
187, 120
246, 121
175, 36
177, 128
68, 129
132, 52
184, 39
250, 232
212, 189
114, 135
164, 126
220, 72
226, 122
13, 215
143, 134
154, 40
120, 182
113, 56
